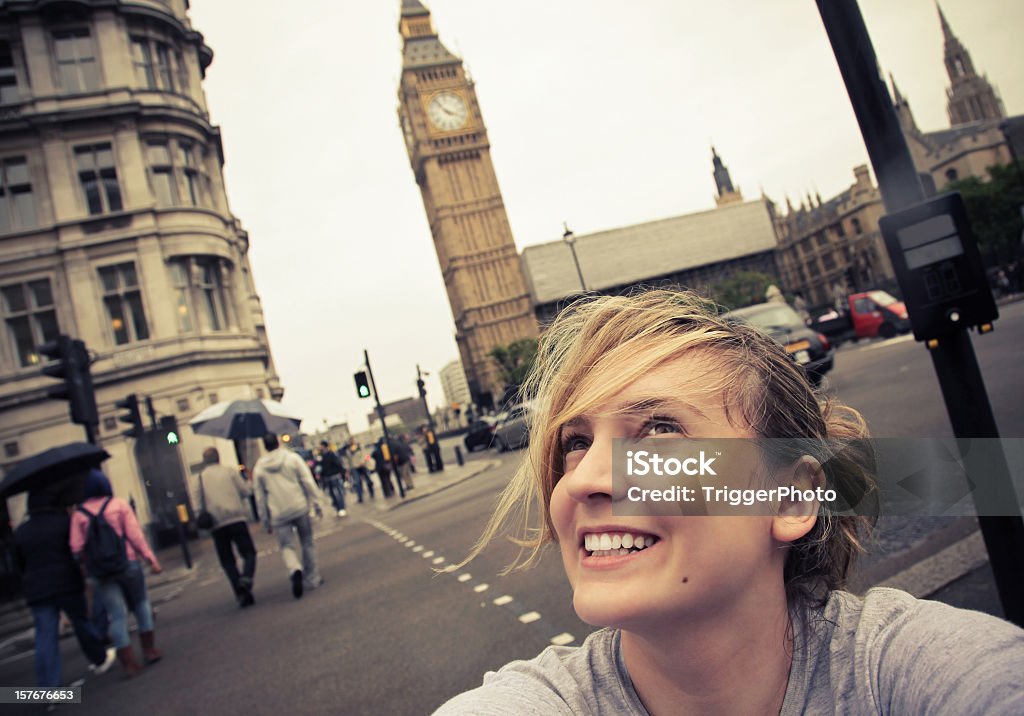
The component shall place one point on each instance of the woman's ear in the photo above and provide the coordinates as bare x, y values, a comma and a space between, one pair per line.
797, 517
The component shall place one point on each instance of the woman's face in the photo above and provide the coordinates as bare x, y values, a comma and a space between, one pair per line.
696, 566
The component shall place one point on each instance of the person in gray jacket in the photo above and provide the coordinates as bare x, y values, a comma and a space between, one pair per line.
225, 493
285, 495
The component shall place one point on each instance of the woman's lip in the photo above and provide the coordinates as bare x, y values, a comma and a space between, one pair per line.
589, 561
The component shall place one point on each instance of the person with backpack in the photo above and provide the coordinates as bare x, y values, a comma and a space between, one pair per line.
108, 542
52, 584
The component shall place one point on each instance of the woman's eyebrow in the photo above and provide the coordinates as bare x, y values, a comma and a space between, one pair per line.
649, 405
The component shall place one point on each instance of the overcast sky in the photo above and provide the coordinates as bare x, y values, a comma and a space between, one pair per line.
600, 113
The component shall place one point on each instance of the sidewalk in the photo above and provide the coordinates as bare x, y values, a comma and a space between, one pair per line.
16, 632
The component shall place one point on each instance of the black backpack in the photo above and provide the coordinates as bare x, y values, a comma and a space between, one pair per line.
105, 553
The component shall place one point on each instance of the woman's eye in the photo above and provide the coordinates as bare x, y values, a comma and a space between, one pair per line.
571, 443
662, 426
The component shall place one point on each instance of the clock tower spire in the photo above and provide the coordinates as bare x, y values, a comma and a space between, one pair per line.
450, 157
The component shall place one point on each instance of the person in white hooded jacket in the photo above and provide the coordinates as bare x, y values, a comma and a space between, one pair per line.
285, 495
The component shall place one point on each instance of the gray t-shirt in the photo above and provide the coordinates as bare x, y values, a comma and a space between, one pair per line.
887, 653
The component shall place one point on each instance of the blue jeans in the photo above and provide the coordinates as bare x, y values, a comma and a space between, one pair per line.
119, 594
46, 617
335, 488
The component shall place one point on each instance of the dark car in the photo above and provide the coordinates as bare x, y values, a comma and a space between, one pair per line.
480, 434
812, 351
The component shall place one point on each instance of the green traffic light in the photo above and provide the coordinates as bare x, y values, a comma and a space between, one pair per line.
172, 438
364, 391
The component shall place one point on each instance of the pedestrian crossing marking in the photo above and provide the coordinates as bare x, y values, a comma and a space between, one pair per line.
428, 554
563, 639
465, 577
410, 544
503, 600
529, 617
481, 588
438, 560
418, 548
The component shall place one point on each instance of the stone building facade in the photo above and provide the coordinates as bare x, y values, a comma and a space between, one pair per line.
831, 248
450, 156
115, 228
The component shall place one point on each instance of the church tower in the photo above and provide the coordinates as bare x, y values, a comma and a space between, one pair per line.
970, 97
450, 156
723, 182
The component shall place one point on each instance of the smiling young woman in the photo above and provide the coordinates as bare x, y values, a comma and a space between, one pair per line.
716, 614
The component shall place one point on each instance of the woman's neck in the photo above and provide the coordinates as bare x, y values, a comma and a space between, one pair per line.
716, 664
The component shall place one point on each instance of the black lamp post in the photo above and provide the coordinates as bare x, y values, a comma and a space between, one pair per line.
570, 238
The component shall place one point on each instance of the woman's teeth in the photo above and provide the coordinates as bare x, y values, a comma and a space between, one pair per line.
607, 544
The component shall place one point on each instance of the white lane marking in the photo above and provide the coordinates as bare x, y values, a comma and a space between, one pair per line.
503, 600
563, 639
529, 617
428, 554
465, 577
481, 588
888, 342
450, 568
418, 548
437, 560
410, 544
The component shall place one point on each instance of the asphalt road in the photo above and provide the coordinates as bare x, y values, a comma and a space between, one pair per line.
388, 635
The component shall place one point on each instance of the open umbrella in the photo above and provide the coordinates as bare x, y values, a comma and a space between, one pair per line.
242, 419
51, 466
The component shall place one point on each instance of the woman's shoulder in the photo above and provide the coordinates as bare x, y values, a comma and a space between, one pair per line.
560, 680
918, 655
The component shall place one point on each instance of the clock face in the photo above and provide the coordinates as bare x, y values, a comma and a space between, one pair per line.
447, 111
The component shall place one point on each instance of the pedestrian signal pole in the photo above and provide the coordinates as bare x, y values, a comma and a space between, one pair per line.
433, 450
385, 450
937, 264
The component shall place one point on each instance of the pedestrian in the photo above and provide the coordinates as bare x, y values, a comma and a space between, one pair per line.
354, 458
121, 586
286, 494
331, 477
52, 583
739, 613
382, 464
224, 494
403, 461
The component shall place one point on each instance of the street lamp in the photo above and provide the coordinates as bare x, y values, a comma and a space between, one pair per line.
570, 238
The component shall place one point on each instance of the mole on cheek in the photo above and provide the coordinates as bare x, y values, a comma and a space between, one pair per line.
685, 580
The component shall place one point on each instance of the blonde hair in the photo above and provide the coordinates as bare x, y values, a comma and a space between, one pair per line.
599, 345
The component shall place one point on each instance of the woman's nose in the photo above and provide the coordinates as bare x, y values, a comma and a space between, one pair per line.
592, 477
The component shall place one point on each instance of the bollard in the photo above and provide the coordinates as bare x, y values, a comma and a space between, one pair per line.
458, 456
183, 535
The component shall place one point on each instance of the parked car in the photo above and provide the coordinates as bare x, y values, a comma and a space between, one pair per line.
511, 432
480, 434
870, 314
811, 350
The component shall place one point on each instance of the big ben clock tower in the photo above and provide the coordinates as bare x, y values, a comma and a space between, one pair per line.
450, 156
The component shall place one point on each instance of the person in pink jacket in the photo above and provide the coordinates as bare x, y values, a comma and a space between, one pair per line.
126, 589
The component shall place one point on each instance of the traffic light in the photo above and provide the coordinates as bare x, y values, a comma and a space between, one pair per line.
362, 384
168, 430
132, 416
70, 363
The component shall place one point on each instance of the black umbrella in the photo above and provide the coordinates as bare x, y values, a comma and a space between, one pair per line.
51, 466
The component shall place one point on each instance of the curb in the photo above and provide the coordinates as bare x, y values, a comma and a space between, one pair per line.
484, 465
22, 637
